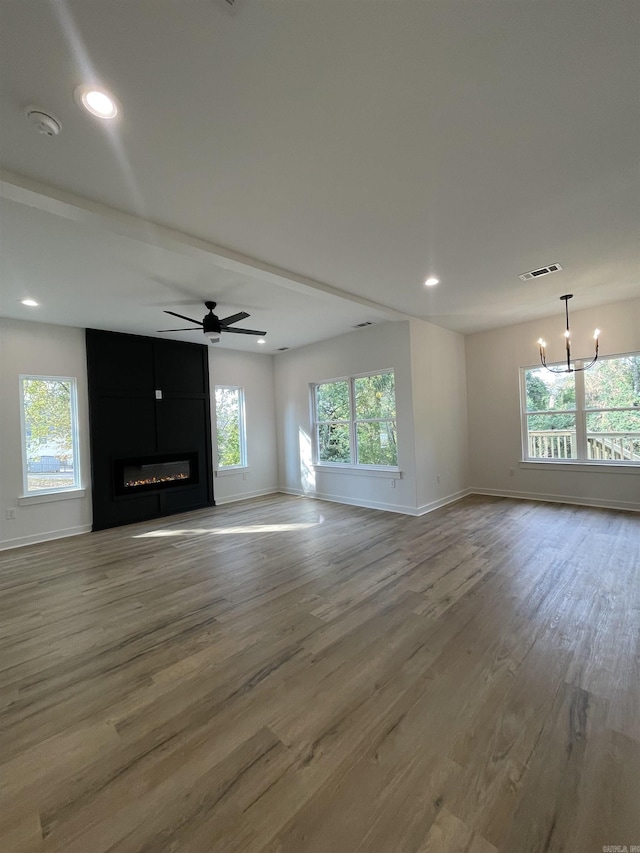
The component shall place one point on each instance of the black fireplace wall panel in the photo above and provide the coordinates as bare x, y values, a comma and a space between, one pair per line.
127, 420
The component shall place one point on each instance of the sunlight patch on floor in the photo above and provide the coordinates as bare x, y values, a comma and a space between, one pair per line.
221, 531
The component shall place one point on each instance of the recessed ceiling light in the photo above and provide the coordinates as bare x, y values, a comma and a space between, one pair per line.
96, 101
431, 282
261, 341
31, 303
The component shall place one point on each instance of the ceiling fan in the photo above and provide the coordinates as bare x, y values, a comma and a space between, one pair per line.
212, 325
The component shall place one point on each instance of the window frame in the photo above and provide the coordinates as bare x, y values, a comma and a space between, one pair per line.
352, 423
581, 412
242, 429
76, 485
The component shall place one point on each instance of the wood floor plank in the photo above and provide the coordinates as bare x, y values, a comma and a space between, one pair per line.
285, 675
448, 833
20, 829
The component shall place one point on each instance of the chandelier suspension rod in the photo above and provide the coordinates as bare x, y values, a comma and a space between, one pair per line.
567, 334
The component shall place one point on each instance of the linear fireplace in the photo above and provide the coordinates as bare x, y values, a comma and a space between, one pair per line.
149, 408
150, 473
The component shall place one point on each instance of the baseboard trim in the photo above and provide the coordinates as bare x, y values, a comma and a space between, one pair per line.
337, 499
230, 499
402, 510
627, 506
37, 538
596, 503
450, 499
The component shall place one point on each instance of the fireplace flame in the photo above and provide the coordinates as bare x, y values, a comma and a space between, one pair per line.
149, 481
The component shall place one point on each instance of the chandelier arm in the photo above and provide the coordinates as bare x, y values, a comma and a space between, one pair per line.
543, 362
591, 363
560, 369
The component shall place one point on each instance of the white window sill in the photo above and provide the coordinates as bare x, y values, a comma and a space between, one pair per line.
582, 466
227, 472
389, 473
48, 497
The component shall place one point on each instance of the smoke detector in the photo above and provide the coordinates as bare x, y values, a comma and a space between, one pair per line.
44, 123
527, 276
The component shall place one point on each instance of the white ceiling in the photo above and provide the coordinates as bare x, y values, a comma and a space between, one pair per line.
90, 266
313, 162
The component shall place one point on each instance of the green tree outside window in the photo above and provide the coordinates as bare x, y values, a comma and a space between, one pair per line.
230, 427
356, 420
49, 433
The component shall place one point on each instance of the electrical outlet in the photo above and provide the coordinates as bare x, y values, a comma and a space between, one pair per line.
244, 476
10, 513
512, 472
392, 483
438, 479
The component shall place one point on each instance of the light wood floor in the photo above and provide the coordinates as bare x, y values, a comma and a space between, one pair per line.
293, 676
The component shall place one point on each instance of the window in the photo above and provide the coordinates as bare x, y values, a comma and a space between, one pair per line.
590, 416
230, 427
49, 434
355, 420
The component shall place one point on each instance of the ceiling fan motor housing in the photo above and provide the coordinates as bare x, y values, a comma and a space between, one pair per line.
211, 324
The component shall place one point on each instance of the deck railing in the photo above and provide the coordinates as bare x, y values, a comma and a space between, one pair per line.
561, 444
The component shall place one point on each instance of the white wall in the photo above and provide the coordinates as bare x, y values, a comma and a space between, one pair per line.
255, 374
367, 350
35, 348
493, 362
440, 414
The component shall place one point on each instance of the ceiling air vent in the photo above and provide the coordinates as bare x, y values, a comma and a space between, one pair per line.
282, 349
362, 325
526, 276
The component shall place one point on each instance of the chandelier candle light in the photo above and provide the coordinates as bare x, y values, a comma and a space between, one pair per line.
567, 336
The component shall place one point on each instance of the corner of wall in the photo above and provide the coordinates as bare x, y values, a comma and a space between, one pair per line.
439, 391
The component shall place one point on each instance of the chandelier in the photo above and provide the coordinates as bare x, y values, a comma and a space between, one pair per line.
567, 337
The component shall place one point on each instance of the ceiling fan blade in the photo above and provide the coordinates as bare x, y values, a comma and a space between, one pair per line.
241, 315
182, 317
184, 329
243, 331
